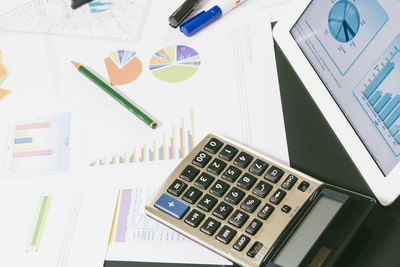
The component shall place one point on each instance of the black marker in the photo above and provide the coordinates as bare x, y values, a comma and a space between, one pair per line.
182, 12
78, 3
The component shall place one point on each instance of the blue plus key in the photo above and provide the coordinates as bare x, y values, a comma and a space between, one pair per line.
171, 206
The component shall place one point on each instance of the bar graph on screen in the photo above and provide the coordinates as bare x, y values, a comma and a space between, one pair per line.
39, 145
379, 95
175, 144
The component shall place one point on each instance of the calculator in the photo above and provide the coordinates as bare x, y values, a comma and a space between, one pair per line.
256, 211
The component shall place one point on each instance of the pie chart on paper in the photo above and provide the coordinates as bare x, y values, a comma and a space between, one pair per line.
175, 63
123, 67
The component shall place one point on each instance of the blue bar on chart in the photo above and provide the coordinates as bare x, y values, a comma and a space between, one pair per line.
378, 79
25, 140
389, 108
394, 130
382, 103
372, 101
392, 118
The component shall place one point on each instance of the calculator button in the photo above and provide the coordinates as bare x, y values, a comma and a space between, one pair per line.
286, 208
210, 226
204, 181
243, 160
194, 218
192, 195
241, 243
234, 196
254, 226
219, 188
177, 187
201, 159
189, 173
274, 174
213, 145
207, 202
262, 189
266, 211
246, 181
228, 153
226, 234
238, 218
255, 248
277, 197
231, 174
289, 182
222, 210
250, 204
258, 167
216, 166
303, 186
171, 206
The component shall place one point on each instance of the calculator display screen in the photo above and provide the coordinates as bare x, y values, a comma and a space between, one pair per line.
302, 239
354, 47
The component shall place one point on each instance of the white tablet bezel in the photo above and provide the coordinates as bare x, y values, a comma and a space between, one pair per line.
386, 189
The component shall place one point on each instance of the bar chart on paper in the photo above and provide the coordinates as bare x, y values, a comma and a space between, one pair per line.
379, 95
175, 144
39, 145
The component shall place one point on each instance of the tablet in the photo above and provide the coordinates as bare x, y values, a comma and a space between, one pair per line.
347, 54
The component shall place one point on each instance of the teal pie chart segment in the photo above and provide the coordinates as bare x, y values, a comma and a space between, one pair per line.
344, 21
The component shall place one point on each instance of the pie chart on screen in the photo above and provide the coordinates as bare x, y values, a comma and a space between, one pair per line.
175, 63
123, 67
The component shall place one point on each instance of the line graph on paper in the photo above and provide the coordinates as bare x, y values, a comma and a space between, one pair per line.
110, 19
133, 224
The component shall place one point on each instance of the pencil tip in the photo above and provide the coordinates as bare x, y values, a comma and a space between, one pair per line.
77, 65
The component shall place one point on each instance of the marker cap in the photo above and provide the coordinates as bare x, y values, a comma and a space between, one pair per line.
201, 20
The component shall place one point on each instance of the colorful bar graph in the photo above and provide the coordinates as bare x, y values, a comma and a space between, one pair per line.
40, 221
164, 148
379, 79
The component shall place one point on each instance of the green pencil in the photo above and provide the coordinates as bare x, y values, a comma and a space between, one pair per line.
114, 94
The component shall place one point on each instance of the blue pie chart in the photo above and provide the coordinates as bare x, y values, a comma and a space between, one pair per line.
344, 21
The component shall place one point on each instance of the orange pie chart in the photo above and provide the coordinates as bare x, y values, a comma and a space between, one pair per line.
123, 67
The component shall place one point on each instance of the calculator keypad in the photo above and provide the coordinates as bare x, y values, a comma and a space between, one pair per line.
232, 199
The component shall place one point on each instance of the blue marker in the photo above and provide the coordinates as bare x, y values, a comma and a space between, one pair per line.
204, 18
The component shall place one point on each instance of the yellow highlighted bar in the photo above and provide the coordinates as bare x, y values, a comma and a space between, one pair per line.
25, 147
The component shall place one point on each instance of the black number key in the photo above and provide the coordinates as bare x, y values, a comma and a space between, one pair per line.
241, 243
243, 160
204, 181
207, 202
226, 234
192, 195
253, 227
228, 152
238, 218
266, 211
246, 181
222, 210
210, 226
255, 248
177, 187
213, 145
274, 174
250, 204
262, 189
201, 159
231, 174
234, 196
258, 167
289, 182
216, 166
194, 218
277, 196
219, 188
189, 173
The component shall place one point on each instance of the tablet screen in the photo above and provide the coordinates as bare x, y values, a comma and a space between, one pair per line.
354, 46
